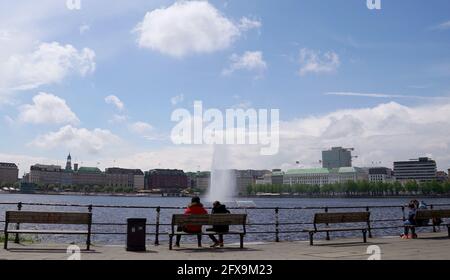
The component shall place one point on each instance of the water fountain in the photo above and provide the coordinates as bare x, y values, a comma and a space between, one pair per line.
222, 185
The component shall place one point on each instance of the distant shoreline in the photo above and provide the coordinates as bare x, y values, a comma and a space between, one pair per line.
247, 196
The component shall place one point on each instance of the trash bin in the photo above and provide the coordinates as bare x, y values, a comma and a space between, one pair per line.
136, 235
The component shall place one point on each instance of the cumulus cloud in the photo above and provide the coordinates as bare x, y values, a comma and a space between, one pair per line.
177, 99
384, 133
49, 63
249, 61
77, 139
47, 109
189, 27
312, 61
114, 100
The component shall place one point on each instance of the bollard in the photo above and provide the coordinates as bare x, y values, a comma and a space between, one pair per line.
16, 239
158, 215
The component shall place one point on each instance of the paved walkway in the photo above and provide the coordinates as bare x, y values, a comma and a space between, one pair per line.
434, 246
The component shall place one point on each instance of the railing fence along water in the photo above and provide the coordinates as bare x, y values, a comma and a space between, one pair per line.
275, 226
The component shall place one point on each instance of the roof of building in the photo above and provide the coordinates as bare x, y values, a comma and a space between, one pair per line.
7, 164
117, 170
89, 170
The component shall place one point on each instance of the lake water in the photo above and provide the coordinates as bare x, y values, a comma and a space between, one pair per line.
114, 234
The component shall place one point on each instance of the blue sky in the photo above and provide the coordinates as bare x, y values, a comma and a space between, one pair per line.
366, 73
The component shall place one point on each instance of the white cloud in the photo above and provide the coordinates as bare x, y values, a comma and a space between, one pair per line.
313, 61
246, 24
114, 100
141, 128
386, 133
49, 63
189, 27
177, 99
47, 109
77, 139
249, 61
443, 26
384, 95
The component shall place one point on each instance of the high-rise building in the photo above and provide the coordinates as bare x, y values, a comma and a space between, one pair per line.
9, 173
421, 170
337, 157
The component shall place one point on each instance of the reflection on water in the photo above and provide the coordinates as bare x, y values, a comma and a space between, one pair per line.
256, 216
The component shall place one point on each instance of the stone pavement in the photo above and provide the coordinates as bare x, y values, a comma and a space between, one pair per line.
430, 246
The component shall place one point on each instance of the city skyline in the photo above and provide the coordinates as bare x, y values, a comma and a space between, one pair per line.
101, 82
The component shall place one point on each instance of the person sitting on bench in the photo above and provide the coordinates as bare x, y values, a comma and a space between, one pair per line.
195, 208
218, 208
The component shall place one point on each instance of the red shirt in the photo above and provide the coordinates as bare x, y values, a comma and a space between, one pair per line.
194, 209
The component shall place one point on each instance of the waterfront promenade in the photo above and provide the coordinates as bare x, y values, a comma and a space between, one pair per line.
430, 246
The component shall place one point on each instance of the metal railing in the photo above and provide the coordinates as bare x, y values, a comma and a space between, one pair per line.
276, 224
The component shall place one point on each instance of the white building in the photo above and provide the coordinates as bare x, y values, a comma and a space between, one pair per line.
324, 176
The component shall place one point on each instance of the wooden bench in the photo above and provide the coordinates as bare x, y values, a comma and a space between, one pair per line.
208, 220
63, 218
340, 218
431, 215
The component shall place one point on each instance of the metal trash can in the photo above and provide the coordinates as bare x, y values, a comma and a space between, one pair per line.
136, 235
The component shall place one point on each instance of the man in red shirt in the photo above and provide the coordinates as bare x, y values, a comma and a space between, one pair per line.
195, 208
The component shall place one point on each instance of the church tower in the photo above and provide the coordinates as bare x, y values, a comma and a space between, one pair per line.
69, 163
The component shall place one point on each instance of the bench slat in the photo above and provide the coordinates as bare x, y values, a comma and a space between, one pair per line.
31, 217
208, 219
47, 231
423, 214
337, 218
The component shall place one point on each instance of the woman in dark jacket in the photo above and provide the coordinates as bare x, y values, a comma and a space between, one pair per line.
218, 208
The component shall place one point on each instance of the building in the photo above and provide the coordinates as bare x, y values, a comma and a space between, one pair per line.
201, 180
89, 176
271, 178
121, 177
45, 174
441, 176
421, 170
277, 177
9, 173
245, 178
324, 176
337, 157
381, 174
166, 180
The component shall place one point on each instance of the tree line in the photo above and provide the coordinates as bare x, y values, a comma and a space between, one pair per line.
359, 188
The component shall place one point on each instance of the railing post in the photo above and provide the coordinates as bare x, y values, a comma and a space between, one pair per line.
328, 233
434, 227
16, 239
370, 228
158, 215
277, 225
403, 213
